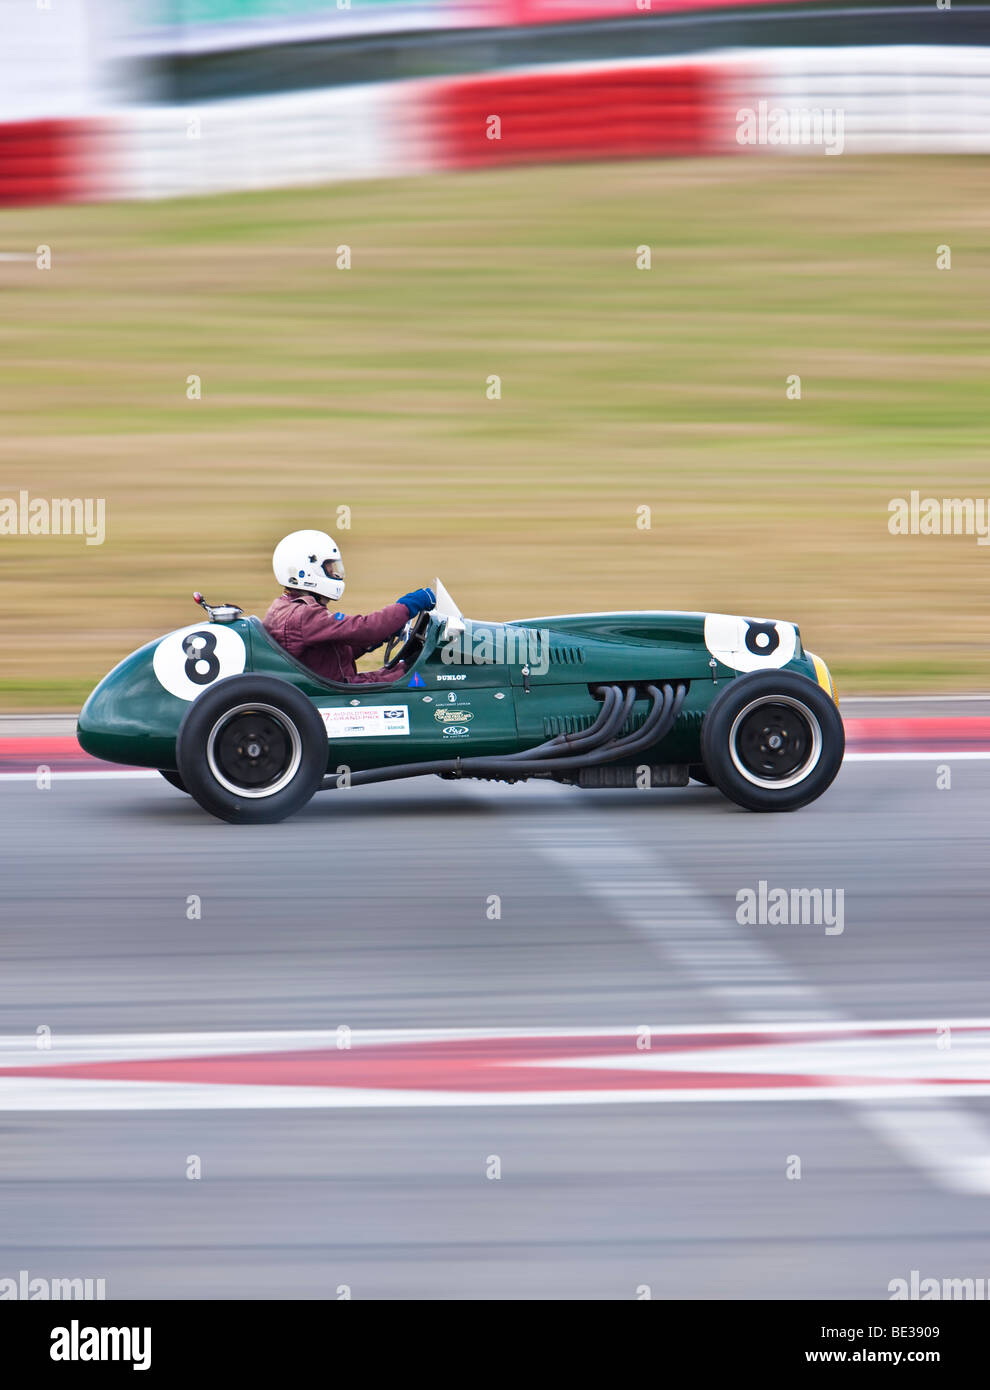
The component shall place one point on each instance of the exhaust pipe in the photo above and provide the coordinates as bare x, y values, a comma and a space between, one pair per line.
549, 758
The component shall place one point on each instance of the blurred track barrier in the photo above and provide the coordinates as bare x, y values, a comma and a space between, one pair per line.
156, 98
49, 91
911, 99
610, 113
898, 100
340, 133
43, 161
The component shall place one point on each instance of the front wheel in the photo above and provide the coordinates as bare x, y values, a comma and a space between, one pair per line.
252, 749
772, 741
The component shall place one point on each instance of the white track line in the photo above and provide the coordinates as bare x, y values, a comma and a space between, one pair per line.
895, 1070
950, 1143
644, 891
106, 1046
912, 699
945, 755
79, 776
962, 1172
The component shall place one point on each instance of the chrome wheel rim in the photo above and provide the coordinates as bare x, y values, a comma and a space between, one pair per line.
776, 742
254, 750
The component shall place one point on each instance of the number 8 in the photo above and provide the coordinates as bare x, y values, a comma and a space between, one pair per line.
204, 651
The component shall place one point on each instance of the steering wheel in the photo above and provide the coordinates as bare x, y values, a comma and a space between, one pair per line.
413, 631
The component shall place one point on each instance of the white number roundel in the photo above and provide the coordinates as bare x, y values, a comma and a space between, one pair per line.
186, 662
750, 644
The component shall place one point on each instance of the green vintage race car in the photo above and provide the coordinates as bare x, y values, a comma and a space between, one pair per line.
592, 699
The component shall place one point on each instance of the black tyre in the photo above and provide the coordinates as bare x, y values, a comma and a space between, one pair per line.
772, 741
697, 773
173, 779
252, 749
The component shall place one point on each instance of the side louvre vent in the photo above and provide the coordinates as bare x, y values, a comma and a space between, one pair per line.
567, 656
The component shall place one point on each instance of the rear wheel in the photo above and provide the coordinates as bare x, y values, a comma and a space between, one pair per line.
252, 749
772, 741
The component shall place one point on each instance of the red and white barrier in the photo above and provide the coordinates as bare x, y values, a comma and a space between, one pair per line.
896, 99
326, 136
49, 161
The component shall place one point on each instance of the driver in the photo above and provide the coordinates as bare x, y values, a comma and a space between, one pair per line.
309, 564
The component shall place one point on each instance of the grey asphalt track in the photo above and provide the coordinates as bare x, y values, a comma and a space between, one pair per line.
369, 909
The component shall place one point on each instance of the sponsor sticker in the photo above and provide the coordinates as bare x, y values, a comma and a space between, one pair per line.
452, 716
367, 721
454, 731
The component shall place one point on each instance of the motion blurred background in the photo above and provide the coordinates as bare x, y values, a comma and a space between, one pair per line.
203, 170
198, 176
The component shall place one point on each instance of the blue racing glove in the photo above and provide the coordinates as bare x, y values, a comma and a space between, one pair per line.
418, 600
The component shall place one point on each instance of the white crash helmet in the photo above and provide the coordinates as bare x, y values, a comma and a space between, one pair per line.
310, 560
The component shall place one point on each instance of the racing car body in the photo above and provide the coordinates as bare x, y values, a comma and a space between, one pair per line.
592, 699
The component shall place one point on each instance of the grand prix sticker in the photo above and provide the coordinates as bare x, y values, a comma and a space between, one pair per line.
186, 662
750, 644
366, 721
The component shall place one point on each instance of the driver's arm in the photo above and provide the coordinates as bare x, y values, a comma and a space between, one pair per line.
362, 632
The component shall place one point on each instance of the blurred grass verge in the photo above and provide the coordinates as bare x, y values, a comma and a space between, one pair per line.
621, 388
